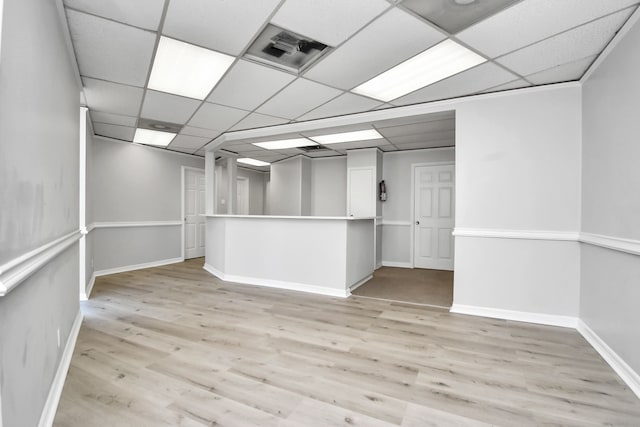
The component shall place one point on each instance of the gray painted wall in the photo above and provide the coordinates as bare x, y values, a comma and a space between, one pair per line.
39, 122
256, 188
518, 168
285, 187
610, 288
329, 186
133, 183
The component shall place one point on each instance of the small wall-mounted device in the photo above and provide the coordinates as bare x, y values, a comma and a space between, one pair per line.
382, 191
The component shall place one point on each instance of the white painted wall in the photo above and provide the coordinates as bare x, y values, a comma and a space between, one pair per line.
134, 183
396, 211
610, 204
518, 168
329, 186
39, 189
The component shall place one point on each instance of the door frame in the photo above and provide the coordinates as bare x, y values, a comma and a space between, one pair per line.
183, 174
412, 201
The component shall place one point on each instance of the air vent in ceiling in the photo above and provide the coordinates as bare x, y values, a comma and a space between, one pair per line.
314, 148
159, 126
285, 49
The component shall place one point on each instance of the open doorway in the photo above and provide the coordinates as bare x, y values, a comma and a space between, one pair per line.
430, 280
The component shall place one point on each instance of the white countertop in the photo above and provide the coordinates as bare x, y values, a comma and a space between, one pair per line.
348, 218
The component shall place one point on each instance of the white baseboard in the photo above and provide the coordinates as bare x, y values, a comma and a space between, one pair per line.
396, 264
87, 291
55, 391
628, 375
520, 316
291, 286
137, 266
360, 283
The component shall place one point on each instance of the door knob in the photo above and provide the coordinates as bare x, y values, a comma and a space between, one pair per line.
417, 222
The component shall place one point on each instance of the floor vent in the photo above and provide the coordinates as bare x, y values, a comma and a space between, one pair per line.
286, 49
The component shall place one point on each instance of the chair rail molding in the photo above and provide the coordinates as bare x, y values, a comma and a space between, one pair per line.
568, 236
18, 269
629, 246
130, 224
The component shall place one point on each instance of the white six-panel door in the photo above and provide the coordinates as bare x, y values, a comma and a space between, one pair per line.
434, 217
194, 208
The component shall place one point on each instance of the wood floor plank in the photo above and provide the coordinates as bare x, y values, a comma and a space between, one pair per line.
173, 345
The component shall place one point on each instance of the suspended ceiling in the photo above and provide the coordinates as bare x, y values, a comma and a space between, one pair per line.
526, 43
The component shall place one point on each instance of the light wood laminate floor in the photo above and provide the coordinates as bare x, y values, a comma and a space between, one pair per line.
413, 285
173, 346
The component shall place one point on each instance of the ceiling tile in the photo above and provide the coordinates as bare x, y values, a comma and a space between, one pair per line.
562, 73
181, 149
426, 144
222, 25
389, 40
346, 103
530, 21
112, 119
358, 144
141, 13
247, 85
111, 51
248, 149
589, 39
256, 120
114, 131
465, 83
218, 117
454, 16
324, 153
299, 97
205, 133
167, 107
516, 84
329, 21
112, 97
442, 137
419, 128
187, 141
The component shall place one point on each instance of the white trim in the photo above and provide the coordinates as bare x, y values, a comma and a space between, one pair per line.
268, 283
359, 283
90, 228
396, 223
628, 375
620, 35
398, 264
520, 316
569, 236
87, 292
629, 246
127, 224
18, 269
125, 268
55, 391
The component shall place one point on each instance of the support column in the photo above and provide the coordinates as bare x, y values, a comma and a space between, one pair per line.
232, 186
210, 182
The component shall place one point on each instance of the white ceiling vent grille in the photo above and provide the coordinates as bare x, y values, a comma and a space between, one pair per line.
285, 49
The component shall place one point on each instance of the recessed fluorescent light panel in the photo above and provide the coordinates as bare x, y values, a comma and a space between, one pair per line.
285, 143
360, 135
153, 137
437, 63
187, 70
253, 162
